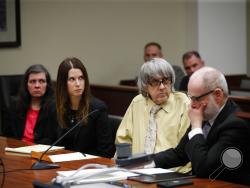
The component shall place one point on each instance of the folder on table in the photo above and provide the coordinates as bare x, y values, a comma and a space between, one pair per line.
35, 148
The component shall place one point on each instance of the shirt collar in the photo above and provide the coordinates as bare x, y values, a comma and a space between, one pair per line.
166, 106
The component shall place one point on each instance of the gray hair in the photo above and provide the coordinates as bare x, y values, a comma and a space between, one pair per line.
212, 79
154, 69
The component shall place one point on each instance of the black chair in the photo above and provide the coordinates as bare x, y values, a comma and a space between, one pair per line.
9, 87
130, 82
114, 122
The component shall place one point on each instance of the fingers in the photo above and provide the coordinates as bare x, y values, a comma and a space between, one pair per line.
195, 114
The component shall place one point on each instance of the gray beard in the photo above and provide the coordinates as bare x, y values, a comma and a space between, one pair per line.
211, 110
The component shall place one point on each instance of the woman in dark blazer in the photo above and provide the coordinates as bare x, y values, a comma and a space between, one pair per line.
32, 115
74, 103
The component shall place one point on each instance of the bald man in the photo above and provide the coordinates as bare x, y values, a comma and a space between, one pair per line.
215, 132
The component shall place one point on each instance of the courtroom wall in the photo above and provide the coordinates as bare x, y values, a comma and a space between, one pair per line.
248, 37
108, 35
223, 34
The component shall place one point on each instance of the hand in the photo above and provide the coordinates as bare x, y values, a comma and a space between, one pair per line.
195, 114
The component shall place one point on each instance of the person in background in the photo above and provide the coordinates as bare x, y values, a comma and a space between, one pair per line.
73, 104
217, 137
32, 114
154, 49
191, 62
158, 117
151, 50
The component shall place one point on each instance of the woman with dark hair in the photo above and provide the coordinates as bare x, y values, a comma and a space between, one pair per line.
74, 103
33, 113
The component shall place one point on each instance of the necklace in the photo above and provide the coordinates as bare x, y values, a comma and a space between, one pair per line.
73, 116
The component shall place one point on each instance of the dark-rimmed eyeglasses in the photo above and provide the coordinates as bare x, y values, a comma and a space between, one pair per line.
194, 98
156, 83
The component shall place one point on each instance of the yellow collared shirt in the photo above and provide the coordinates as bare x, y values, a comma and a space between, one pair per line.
172, 123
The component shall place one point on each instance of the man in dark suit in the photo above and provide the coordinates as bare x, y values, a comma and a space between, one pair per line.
223, 146
191, 62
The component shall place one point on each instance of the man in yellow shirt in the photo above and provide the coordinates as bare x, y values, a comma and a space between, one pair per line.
170, 122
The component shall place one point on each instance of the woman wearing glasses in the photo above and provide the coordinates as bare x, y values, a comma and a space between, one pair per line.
74, 105
157, 118
32, 117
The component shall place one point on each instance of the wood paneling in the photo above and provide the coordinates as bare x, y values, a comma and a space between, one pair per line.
118, 98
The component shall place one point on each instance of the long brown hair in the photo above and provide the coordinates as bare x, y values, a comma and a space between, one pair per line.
62, 97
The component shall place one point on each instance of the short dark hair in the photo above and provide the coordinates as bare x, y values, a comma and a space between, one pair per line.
152, 44
189, 54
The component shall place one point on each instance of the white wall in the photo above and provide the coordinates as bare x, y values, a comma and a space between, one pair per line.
108, 35
222, 35
248, 37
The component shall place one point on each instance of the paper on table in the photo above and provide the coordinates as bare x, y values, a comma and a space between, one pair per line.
36, 148
70, 157
107, 177
151, 171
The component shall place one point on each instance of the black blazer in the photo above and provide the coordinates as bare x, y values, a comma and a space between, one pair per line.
184, 83
46, 128
228, 131
94, 138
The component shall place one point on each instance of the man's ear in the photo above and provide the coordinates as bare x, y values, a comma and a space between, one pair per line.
218, 92
218, 95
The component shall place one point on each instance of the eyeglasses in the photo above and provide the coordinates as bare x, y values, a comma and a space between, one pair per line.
194, 98
40, 81
157, 83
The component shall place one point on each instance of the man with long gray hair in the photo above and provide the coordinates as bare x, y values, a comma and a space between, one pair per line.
158, 117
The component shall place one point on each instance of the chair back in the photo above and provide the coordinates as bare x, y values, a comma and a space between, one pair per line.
9, 88
114, 122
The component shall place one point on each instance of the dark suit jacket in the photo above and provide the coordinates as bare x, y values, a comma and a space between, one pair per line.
94, 138
228, 131
46, 128
184, 83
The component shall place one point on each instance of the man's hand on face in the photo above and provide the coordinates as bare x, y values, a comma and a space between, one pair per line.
195, 114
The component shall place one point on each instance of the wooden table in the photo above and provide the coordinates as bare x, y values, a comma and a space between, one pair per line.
24, 178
